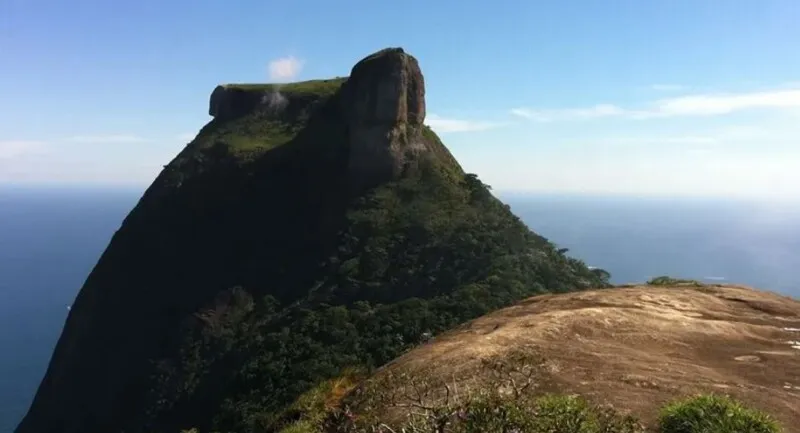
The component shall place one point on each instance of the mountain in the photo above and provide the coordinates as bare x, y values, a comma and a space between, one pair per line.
308, 229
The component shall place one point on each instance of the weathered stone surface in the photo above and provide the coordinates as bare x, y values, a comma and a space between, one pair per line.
383, 103
386, 87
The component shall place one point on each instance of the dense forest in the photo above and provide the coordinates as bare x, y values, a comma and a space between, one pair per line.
418, 256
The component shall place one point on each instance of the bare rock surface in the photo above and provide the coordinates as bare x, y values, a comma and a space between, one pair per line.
636, 347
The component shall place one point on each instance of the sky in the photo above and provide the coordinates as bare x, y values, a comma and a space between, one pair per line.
668, 98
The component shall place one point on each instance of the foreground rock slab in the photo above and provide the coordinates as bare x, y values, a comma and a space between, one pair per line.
636, 347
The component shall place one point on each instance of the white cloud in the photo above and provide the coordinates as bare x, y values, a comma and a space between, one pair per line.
772, 136
444, 125
710, 105
15, 148
600, 110
285, 68
655, 139
689, 105
107, 139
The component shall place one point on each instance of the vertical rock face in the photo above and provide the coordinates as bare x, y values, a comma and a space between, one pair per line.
383, 102
227, 102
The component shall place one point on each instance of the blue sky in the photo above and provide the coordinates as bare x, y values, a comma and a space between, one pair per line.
675, 98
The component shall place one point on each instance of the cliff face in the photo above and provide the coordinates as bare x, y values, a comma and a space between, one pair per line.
384, 105
308, 227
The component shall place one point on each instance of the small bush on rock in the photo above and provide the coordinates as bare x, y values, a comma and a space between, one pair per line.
714, 414
547, 414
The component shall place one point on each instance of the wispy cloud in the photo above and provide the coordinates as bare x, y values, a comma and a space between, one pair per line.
688, 105
710, 105
550, 115
445, 125
107, 139
656, 139
710, 138
15, 148
284, 68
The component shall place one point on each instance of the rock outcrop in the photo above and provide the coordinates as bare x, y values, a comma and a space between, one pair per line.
634, 347
384, 104
228, 101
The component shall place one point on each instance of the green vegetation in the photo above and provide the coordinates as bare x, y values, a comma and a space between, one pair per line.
502, 397
316, 87
249, 136
714, 414
415, 257
669, 281
565, 414
492, 412
504, 403
309, 131
325, 276
549, 413
245, 138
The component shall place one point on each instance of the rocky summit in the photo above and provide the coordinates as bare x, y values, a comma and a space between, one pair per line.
384, 104
309, 229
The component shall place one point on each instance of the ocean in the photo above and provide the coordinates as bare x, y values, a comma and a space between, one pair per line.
51, 238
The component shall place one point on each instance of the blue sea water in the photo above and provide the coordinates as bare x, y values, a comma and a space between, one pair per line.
49, 241
51, 238
716, 240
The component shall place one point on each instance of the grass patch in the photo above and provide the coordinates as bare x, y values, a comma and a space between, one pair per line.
493, 412
311, 87
316, 404
302, 426
714, 414
244, 139
550, 413
247, 137
546, 414
251, 133
669, 281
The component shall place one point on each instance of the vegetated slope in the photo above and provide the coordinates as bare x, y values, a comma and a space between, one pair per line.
307, 228
634, 347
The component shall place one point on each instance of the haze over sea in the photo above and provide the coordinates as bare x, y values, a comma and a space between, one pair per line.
51, 238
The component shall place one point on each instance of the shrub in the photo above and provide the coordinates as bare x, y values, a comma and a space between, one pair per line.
316, 404
669, 281
547, 414
714, 414
302, 426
